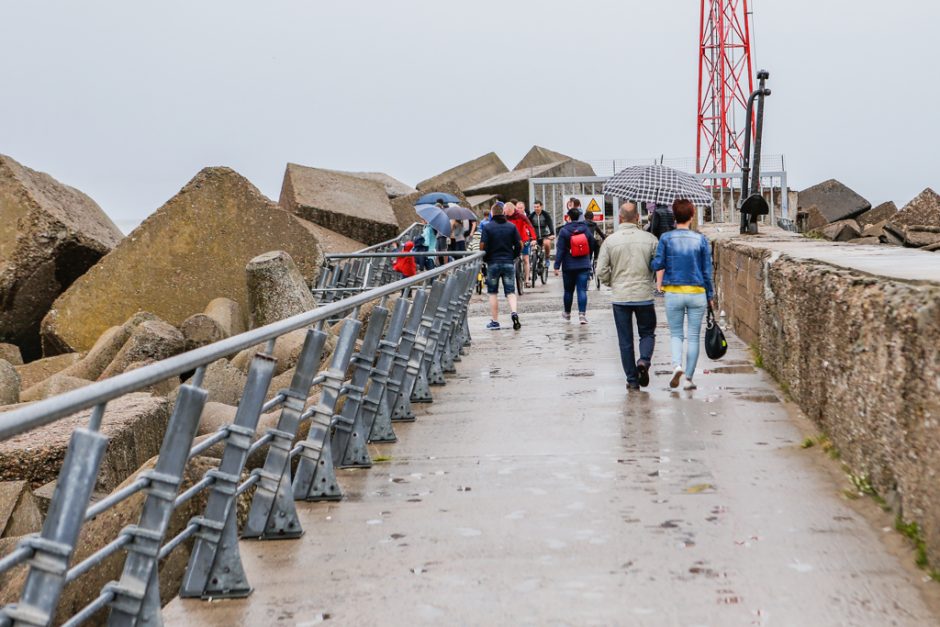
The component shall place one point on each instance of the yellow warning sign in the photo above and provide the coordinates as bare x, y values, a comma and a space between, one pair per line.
595, 208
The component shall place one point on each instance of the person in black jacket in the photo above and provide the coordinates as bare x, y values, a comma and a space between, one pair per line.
662, 220
544, 228
501, 245
575, 267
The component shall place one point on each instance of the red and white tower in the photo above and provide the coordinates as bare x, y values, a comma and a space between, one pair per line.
725, 81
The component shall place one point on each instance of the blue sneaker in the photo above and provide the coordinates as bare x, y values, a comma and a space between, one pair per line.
493, 326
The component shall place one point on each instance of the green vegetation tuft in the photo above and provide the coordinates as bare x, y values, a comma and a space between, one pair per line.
758, 356
911, 531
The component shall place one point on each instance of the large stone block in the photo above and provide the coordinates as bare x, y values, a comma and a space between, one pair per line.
41, 369
19, 511
466, 175
11, 353
539, 156
53, 386
834, 200
152, 340
276, 289
515, 184
884, 211
393, 187
924, 210
355, 207
134, 425
50, 234
404, 207
10, 384
841, 231
193, 249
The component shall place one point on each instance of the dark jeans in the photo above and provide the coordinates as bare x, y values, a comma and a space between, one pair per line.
576, 279
646, 326
458, 245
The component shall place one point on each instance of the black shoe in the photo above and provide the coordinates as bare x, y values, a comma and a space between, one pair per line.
515, 321
632, 387
644, 372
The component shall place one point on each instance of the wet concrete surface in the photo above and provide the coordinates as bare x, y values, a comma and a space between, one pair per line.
897, 262
536, 491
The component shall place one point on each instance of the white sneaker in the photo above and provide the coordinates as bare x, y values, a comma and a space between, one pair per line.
689, 385
676, 377
565, 315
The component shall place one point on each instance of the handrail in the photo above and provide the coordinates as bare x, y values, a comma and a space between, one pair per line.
47, 411
374, 371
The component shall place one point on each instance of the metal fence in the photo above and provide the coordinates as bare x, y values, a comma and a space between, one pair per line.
415, 333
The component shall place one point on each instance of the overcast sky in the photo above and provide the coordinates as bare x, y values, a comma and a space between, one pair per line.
128, 100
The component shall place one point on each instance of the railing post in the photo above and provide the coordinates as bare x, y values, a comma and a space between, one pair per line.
315, 479
273, 514
214, 568
140, 567
432, 361
376, 415
398, 398
350, 446
416, 373
53, 548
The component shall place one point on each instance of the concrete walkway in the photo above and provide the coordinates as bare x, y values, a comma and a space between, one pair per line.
536, 491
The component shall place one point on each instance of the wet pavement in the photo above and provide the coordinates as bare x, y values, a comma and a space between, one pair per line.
536, 491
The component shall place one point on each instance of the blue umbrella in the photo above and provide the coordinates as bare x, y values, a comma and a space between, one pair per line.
436, 217
433, 197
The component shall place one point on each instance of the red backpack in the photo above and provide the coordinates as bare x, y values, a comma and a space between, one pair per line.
580, 247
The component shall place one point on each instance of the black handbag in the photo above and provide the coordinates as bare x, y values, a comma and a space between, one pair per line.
715, 343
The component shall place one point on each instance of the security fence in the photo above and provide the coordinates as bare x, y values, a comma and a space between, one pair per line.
416, 331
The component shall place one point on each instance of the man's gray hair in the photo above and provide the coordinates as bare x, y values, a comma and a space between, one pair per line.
629, 213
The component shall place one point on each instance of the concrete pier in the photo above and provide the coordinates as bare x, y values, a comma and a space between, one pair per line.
536, 490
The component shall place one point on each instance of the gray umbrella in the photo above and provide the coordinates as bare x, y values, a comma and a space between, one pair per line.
456, 212
659, 184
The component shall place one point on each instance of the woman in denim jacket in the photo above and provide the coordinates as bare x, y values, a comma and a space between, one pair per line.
683, 266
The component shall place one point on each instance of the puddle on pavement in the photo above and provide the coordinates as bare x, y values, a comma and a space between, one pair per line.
759, 398
578, 373
743, 369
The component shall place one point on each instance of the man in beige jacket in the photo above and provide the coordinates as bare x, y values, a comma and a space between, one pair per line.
624, 265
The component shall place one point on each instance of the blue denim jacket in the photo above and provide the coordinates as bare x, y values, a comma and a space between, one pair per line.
686, 256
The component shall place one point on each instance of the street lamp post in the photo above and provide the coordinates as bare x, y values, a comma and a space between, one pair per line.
753, 204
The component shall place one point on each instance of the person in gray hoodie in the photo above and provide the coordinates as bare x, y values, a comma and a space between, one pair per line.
624, 265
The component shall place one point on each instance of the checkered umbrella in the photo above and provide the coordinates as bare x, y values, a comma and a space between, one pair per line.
659, 184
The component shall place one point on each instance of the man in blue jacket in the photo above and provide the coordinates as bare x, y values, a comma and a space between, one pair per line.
501, 245
573, 253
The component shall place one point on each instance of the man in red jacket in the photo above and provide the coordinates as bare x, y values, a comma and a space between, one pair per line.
526, 232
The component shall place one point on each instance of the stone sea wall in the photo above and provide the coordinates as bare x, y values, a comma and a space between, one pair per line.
859, 355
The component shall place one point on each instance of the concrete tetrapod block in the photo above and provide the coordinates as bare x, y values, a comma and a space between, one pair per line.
834, 200
93, 363
515, 184
538, 156
841, 231
883, 212
152, 340
37, 371
467, 174
58, 383
276, 289
200, 330
134, 425
393, 187
50, 234
9, 383
223, 381
11, 353
352, 206
228, 314
19, 511
924, 210
193, 248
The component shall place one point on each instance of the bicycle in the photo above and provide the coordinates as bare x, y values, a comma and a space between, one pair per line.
481, 278
539, 264
520, 274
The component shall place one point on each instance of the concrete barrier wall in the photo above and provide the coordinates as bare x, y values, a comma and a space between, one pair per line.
859, 354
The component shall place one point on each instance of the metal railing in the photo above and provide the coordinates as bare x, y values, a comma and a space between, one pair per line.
414, 335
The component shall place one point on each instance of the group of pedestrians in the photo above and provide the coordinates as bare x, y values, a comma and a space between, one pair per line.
636, 264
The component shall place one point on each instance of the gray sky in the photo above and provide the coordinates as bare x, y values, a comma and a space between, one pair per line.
128, 100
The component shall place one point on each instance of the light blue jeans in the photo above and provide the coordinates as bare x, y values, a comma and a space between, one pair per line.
678, 306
